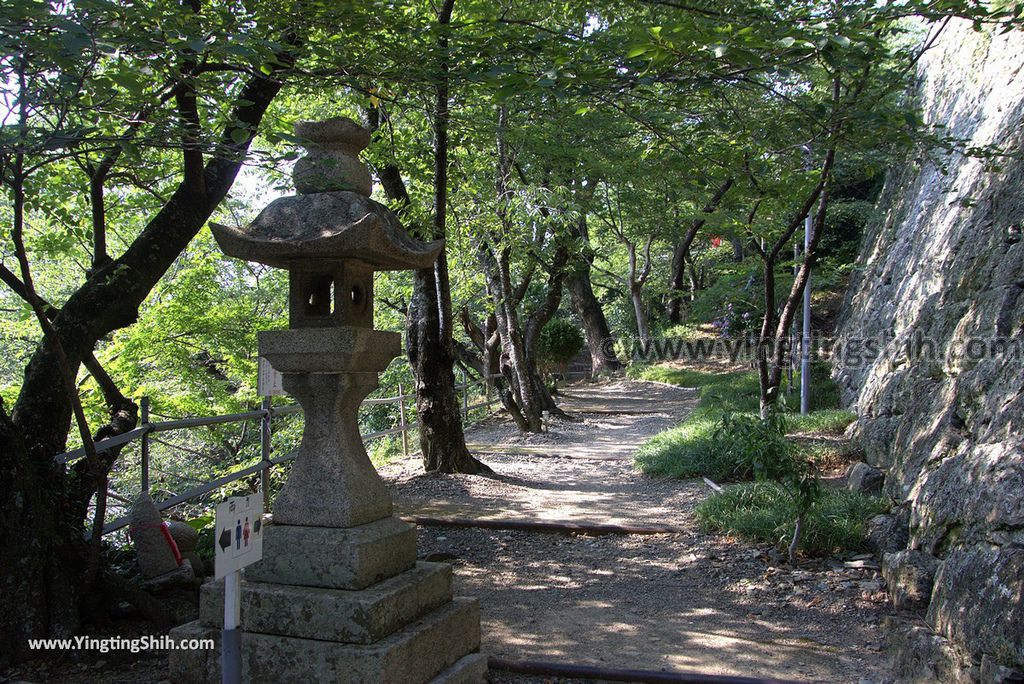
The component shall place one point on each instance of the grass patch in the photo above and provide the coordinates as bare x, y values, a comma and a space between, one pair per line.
691, 450
765, 512
831, 421
688, 450
736, 392
685, 451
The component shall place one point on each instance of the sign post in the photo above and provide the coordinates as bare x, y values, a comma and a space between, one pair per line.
237, 543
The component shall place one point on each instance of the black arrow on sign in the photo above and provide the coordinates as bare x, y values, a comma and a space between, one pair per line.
225, 539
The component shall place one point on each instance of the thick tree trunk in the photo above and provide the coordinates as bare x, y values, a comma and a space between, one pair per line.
595, 325
429, 324
41, 549
585, 305
442, 439
540, 317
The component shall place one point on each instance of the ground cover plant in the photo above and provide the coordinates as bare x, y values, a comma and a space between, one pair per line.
765, 512
726, 440
692, 450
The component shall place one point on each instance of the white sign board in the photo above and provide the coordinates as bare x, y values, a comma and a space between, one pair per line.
238, 541
268, 380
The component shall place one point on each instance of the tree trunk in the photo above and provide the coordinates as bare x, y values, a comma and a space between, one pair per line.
636, 295
41, 549
682, 249
737, 248
772, 341
677, 284
540, 317
429, 324
586, 306
442, 440
528, 401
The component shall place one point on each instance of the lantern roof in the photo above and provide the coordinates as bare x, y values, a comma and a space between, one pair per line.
327, 226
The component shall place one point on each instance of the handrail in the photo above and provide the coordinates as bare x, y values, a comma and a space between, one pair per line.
264, 414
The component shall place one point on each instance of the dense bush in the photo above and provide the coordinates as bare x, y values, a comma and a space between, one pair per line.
682, 331
558, 343
765, 512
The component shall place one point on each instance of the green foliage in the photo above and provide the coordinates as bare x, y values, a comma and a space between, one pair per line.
683, 331
846, 223
700, 446
755, 447
832, 421
691, 449
733, 286
559, 342
766, 511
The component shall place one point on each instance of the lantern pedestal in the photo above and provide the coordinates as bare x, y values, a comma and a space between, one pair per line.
338, 596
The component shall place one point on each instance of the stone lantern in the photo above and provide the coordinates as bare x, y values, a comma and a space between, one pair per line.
339, 595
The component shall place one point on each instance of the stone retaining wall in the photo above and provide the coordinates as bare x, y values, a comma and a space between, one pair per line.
942, 269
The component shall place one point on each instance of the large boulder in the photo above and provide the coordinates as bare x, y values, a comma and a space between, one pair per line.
909, 576
864, 478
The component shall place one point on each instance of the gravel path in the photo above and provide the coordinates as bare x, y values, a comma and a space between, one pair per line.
682, 601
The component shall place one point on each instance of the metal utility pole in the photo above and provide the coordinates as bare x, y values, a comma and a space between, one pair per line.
793, 338
805, 345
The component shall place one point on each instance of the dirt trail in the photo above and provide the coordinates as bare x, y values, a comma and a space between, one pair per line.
682, 601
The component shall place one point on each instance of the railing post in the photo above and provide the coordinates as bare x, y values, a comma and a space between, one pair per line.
144, 448
401, 421
265, 406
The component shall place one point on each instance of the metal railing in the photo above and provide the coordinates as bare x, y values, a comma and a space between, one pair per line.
265, 414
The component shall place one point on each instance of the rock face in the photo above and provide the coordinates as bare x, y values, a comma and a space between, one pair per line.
864, 478
939, 297
909, 577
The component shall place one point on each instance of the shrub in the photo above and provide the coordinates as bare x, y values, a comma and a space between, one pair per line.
754, 445
734, 321
721, 447
766, 512
558, 343
682, 331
